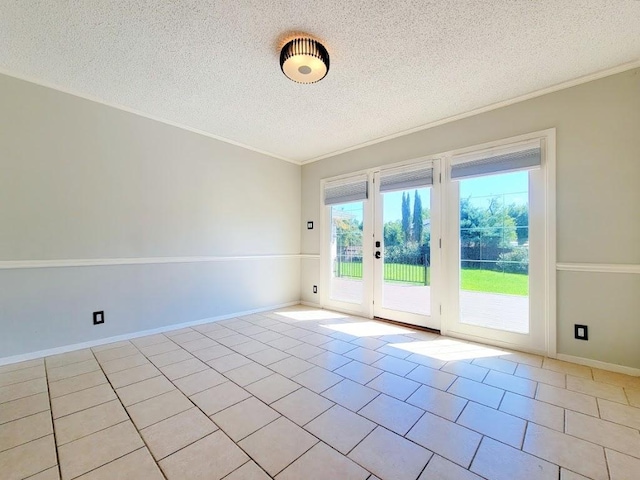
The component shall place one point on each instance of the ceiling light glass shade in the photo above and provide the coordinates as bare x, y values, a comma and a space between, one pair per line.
304, 60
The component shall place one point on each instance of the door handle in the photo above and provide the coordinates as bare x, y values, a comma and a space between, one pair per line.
377, 254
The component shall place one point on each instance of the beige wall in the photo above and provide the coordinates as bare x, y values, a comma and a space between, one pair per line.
80, 180
598, 197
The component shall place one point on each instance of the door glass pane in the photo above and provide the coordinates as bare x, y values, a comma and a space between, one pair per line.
407, 253
494, 251
346, 252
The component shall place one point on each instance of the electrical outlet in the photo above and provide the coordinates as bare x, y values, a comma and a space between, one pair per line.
315, 289
98, 318
309, 225
581, 332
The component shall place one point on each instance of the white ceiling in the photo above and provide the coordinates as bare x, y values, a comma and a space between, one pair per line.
395, 65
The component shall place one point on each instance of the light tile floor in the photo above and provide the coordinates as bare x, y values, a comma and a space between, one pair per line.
310, 394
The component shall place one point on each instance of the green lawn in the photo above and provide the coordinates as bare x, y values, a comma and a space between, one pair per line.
472, 279
393, 272
495, 282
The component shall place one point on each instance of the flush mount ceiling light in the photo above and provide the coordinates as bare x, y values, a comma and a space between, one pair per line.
304, 60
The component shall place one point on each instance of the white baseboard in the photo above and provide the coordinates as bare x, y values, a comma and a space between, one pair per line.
311, 304
493, 343
128, 336
612, 367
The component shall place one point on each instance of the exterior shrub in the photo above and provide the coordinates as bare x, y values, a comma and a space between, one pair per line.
514, 261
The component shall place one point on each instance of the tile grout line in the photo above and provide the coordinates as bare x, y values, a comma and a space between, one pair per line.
268, 405
504, 394
30, 441
524, 435
8, 385
304, 453
89, 434
208, 417
112, 349
606, 461
424, 412
390, 431
268, 367
23, 367
460, 414
20, 383
74, 376
111, 461
85, 409
130, 420
80, 390
503, 390
525, 419
489, 436
528, 422
27, 416
53, 423
225, 434
433, 454
239, 467
239, 332
475, 453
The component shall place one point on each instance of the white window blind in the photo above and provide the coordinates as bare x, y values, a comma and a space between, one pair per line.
508, 159
345, 191
402, 179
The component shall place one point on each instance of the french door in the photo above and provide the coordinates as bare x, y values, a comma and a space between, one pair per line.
498, 240
347, 284
464, 243
382, 244
406, 262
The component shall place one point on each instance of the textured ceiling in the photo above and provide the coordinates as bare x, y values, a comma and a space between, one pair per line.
395, 65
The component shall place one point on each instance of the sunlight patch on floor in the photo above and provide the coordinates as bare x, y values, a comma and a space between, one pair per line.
368, 329
304, 315
448, 350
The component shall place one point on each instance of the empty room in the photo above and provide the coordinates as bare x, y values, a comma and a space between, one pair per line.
332, 240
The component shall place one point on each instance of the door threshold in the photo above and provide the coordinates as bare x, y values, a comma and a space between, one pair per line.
409, 325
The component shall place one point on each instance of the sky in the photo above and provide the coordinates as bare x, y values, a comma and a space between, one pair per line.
513, 185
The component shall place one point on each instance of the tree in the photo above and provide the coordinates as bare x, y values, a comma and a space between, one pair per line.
348, 232
520, 215
393, 235
417, 218
486, 231
426, 213
500, 228
491, 226
470, 223
406, 216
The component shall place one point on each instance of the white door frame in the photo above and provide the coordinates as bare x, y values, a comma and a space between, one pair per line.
549, 268
547, 224
433, 320
366, 308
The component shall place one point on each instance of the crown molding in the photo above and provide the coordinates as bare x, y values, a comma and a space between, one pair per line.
538, 93
528, 96
133, 111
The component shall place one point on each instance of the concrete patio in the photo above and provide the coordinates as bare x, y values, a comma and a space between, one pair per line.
492, 310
